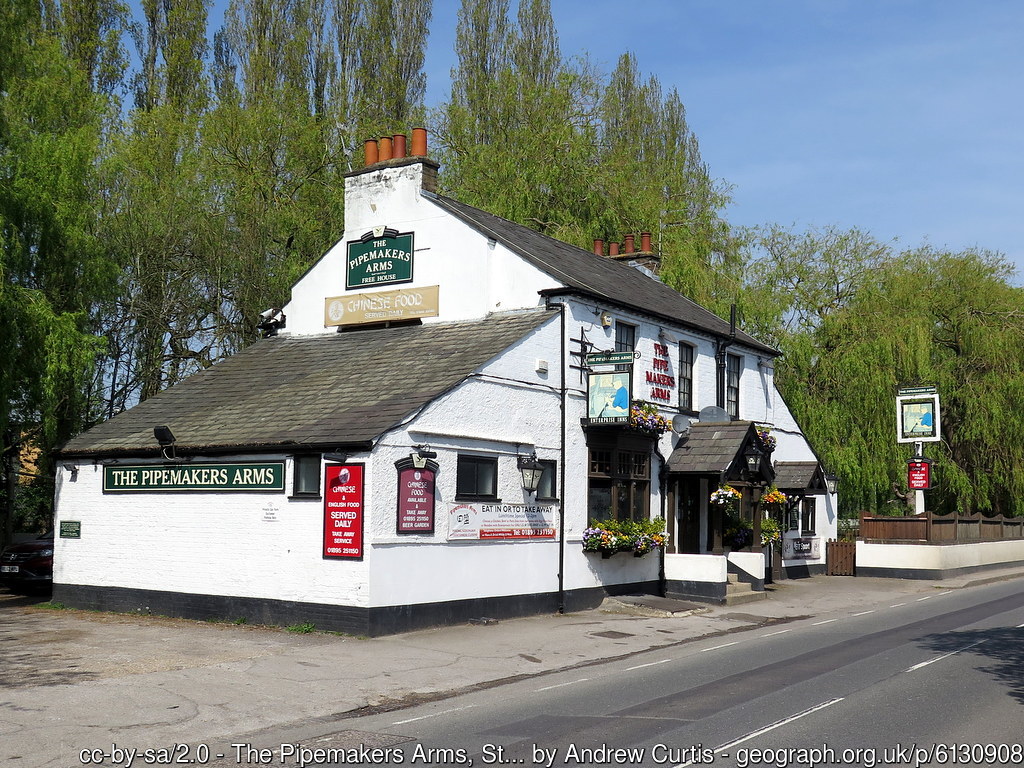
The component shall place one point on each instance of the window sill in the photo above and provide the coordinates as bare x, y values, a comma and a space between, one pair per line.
305, 497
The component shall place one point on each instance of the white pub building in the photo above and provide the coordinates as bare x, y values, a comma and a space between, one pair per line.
454, 417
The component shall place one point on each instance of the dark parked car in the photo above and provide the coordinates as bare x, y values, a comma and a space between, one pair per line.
28, 567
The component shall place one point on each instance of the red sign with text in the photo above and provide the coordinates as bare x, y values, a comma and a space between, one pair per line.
919, 475
343, 510
416, 500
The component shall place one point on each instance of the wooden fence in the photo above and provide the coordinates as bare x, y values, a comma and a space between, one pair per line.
932, 528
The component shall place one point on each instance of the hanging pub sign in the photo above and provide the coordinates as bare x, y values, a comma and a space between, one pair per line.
343, 511
262, 476
611, 358
608, 397
919, 474
416, 496
917, 415
382, 256
381, 306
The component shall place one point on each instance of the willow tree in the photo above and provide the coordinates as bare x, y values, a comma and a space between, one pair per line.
857, 320
53, 270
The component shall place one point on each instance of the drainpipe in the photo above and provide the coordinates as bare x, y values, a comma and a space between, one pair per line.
720, 357
562, 451
663, 485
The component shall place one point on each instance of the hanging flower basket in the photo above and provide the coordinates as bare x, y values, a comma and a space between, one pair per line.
773, 496
770, 531
644, 417
768, 440
637, 536
725, 496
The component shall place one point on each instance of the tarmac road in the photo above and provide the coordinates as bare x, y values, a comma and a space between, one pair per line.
77, 680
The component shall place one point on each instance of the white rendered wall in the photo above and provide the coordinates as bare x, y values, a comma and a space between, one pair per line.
261, 545
937, 557
476, 275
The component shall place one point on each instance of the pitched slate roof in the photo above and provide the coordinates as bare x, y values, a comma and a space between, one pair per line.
709, 448
717, 448
595, 275
312, 391
798, 475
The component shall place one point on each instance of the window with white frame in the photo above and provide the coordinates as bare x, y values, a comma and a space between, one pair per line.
306, 475
807, 516
685, 378
733, 366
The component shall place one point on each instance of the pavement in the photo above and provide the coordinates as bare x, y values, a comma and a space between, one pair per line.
78, 680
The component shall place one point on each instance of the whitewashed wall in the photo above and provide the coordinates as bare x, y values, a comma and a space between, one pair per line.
476, 275
262, 545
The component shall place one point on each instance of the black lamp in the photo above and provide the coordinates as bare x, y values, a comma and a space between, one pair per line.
753, 457
419, 458
532, 471
831, 483
165, 438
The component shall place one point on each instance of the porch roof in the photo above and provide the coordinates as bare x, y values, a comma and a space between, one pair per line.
717, 448
799, 475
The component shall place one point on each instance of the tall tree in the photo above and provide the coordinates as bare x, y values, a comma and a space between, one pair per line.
53, 270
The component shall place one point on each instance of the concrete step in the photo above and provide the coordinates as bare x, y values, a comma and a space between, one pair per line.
737, 592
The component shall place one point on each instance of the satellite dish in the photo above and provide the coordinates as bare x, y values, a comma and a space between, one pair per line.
680, 423
712, 414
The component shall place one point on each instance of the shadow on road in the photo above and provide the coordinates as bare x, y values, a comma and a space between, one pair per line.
1003, 646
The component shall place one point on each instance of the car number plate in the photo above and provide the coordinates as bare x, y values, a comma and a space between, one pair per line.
8, 569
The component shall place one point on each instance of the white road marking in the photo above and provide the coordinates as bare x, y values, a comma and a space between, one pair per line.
435, 714
826, 621
779, 632
863, 613
772, 727
715, 648
897, 605
562, 685
926, 597
943, 656
652, 664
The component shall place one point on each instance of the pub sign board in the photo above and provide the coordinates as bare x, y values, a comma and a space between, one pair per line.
416, 498
160, 478
919, 474
381, 257
917, 415
343, 511
609, 396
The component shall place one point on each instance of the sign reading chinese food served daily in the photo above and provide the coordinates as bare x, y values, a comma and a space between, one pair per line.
514, 522
264, 476
343, 510
416, 500
381, 306
379, 258
919, 474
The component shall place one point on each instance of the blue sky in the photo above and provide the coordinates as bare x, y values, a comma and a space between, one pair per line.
900, 117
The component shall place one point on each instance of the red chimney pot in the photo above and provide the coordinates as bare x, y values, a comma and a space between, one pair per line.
419, 142
398, 147
629, 243
598, 247
371, 151
613, 249
385, 147
645, 242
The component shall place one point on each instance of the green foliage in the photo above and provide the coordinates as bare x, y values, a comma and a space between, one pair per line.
302, 629
856, 320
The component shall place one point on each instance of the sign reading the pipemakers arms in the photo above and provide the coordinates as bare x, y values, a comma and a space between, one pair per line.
380, 257
265, 476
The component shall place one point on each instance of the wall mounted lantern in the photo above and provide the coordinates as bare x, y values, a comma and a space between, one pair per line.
831, 483
753, 457
419, 458
532, 471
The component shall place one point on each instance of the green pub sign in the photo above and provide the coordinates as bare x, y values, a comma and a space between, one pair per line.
265, 476
381, 257
71, 529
